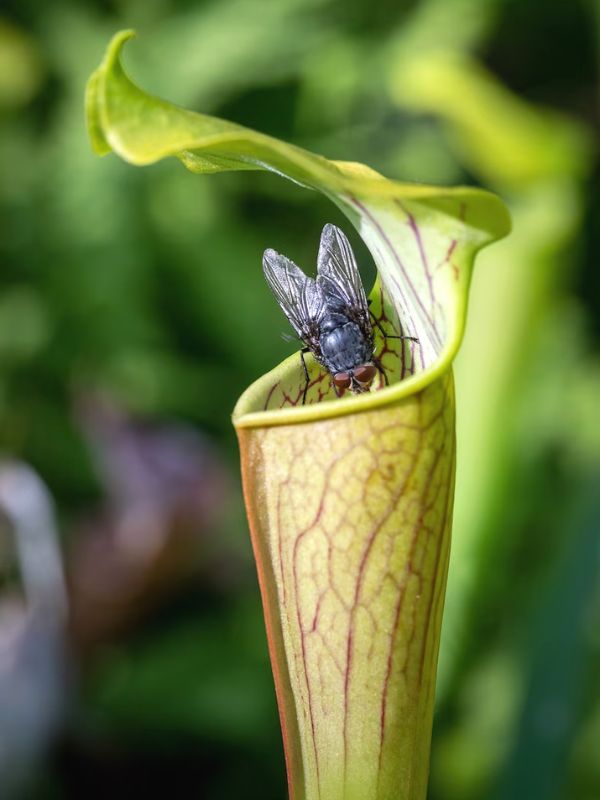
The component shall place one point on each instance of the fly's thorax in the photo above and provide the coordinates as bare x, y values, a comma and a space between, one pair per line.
343, 344
332, 321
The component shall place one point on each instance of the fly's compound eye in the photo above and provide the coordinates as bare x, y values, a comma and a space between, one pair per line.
365, 373
342, 380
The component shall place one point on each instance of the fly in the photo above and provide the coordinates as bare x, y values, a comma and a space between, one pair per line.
329, 313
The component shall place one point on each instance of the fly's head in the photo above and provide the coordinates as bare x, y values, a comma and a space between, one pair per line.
358, 380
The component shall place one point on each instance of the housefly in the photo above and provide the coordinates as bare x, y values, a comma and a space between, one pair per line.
329, 313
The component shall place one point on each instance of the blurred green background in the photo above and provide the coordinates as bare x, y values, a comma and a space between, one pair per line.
133, 313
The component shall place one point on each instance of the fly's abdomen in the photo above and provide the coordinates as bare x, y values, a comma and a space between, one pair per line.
344, 347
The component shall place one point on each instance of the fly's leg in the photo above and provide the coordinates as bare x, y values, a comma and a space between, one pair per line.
302, 352
389, 335
385, 335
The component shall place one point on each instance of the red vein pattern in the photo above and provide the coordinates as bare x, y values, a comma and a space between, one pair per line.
418, 260
350, 520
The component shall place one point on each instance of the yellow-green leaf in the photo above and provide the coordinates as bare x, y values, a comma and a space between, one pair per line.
349, 500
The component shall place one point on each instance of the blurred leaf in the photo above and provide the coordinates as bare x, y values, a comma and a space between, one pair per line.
24, 325
558, 656
242, 44
434, 24
507, 141
21, 70
206, 678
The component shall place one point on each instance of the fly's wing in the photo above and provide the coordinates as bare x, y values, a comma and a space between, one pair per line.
300, 298
339, 278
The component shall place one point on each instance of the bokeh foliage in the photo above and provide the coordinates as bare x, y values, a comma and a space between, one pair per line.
144, 286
